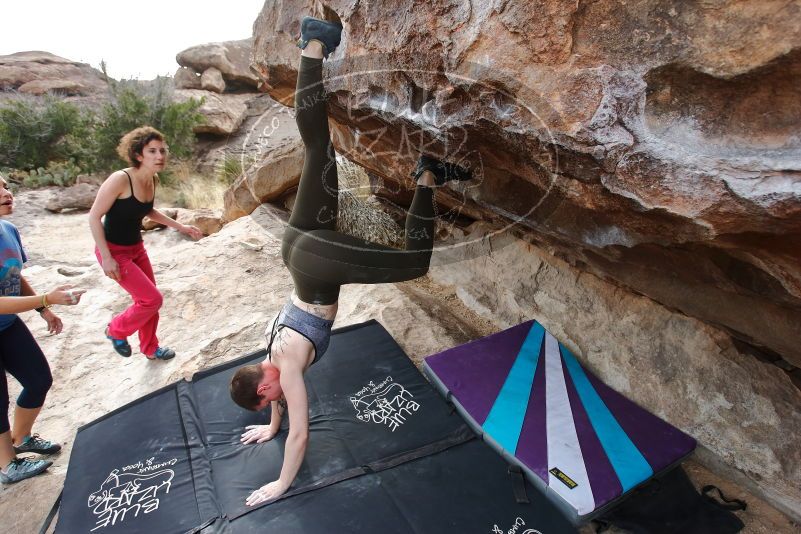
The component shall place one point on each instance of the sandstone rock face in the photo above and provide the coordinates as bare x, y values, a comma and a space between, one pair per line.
266, 124
652, 144
266, 181
80, 196
224, 113
41, 72
231, 58
212, 80
186, 78
269, 152
643, 141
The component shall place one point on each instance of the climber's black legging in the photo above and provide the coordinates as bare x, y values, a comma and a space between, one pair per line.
319, 258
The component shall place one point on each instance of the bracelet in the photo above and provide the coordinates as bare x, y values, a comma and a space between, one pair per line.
45, 304
40, 309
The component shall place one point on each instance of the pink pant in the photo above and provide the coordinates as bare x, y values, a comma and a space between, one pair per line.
136, 277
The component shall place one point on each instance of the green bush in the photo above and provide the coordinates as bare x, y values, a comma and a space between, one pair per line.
135, 104
62, 173
52, 141
36, 131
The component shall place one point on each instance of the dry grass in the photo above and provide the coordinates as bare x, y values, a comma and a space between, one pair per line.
187, 189
358, 215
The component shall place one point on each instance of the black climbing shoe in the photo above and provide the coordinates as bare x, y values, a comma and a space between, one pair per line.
120, 345
162, 353
443, 171
327, 33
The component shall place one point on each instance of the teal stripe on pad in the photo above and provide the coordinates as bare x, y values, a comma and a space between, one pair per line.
628, 462
505, 420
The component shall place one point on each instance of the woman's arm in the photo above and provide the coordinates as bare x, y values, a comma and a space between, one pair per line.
158, 217
106, 195
295, 448
20, 304
30, 300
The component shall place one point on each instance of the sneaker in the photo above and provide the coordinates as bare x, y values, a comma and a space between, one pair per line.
162, 353
37, 445
443, 171
326, 33
22, 468
120, 345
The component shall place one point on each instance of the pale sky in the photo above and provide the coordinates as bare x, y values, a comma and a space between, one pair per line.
137, 39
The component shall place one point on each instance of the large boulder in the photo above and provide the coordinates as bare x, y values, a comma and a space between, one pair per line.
266, 180
223, 113
80, 196
207, 220
631, 142
622, 135
38, 72
231, 58
653, 144
186, 78
212, 80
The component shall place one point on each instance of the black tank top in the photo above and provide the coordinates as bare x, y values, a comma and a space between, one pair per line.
123, 222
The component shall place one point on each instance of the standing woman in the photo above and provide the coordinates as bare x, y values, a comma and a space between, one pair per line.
125, 198
20, 355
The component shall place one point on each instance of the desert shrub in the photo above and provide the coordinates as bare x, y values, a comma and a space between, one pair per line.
51, 140
359, 216
230, 168
36, 131
61, 173
135, 104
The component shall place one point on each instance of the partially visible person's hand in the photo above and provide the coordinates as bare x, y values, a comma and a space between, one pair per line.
192, 231
65, 295
54, 324
257, 434
111, 268
269, 491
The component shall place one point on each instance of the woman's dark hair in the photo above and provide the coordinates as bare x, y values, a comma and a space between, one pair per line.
244, 384
133, 143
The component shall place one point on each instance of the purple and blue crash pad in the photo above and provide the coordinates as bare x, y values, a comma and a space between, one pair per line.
582, 443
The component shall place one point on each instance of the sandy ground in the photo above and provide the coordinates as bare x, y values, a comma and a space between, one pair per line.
89, 382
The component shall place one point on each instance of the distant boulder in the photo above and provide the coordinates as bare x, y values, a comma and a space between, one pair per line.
223, 113
212, 80
231, 58
78, 197
38, 73
186, 78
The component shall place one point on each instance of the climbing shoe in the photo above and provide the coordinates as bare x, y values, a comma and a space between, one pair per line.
442, 171
22, 468
327, 33
37, 445
120, 345
162, 353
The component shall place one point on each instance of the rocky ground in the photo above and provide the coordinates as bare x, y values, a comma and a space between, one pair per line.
219, 293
